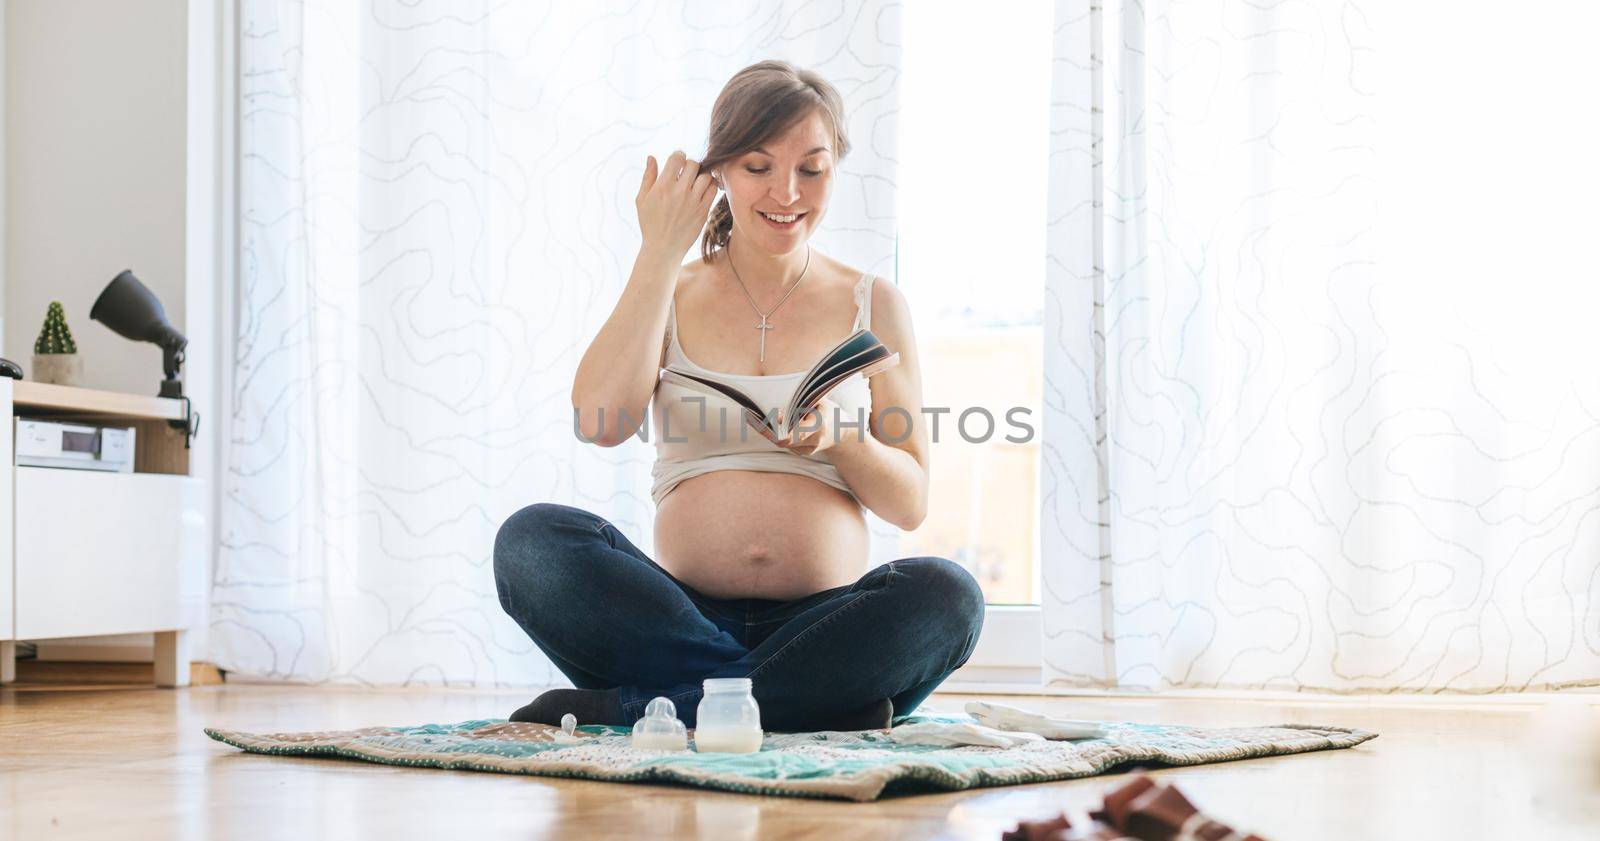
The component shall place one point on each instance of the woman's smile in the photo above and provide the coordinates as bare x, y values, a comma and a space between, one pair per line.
782, 222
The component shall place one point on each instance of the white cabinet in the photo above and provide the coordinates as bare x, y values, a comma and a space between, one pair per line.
86, 553
7, 594
104, 553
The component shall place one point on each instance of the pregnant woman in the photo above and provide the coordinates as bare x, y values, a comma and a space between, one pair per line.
761, 549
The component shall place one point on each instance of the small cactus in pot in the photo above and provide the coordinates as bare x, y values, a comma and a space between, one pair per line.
55, 354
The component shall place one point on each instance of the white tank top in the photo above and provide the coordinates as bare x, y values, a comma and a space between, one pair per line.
710, 448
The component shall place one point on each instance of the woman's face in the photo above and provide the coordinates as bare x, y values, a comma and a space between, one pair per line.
790, 175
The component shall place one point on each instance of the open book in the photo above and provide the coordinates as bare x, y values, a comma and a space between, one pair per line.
862, 353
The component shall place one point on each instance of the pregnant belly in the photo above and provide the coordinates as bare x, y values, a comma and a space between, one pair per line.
747, 534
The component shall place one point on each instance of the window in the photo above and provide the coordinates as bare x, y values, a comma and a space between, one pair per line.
974, 130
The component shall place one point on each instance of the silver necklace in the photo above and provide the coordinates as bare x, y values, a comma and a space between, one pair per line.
764, 326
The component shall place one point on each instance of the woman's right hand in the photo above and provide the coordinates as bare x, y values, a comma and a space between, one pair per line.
674, 204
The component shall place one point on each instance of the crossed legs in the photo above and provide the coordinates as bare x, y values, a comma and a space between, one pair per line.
611, 619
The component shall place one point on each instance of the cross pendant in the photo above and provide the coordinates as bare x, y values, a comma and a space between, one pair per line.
763, 327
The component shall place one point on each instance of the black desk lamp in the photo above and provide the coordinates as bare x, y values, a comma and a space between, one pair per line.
132, 311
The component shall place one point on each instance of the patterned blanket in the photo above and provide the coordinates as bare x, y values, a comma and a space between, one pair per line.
859, 765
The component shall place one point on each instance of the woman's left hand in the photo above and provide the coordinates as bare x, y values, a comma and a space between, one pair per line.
814, 433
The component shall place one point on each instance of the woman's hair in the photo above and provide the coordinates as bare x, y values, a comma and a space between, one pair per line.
759, 103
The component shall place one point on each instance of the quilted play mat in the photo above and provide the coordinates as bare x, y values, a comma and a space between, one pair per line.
856, 765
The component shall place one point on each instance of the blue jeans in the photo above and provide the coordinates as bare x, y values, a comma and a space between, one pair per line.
608, 616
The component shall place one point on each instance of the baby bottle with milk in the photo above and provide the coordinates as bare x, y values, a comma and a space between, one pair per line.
727, 720
660, 728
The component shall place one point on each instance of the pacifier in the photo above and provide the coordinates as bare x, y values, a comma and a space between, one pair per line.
568, 733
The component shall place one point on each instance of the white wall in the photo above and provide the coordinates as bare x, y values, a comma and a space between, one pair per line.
209, 263
111, 151
95, 171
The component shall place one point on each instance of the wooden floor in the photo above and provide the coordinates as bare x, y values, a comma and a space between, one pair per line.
132, 763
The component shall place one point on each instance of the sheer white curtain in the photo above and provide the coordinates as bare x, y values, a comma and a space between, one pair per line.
436, 207
1273, 460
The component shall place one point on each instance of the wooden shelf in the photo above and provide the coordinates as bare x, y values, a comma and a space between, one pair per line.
33, 398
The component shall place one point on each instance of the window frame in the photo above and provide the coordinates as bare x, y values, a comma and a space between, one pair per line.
1010, 652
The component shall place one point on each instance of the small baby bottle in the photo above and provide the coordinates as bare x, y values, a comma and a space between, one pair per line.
660, 728
727, 720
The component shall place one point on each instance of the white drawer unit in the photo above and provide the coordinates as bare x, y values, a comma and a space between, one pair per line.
110, 537
104, 553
